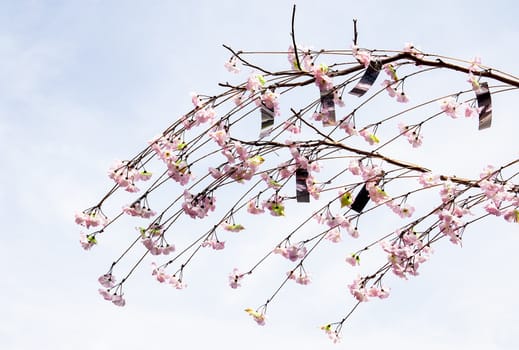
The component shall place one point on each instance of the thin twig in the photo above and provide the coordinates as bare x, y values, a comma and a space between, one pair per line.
355, 33
294, 37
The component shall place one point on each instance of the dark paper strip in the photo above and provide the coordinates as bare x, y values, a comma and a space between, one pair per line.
361, 200
302, 194
485, 103
367, 80
267, 120
328, 107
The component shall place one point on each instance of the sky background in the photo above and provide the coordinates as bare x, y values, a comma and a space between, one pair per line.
83, 83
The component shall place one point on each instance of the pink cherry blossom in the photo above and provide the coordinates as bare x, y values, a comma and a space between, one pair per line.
231, 227
402, 97
511, 215
428, 179
403, 210
491, 208
198, 206
305, 58
238, 99
92, 217
475, 64
369, 137
235, 278
334, 235
214, 243
322, 80
231, 65
176, 282
337, 99
138, 209
292, 252
353, 260
255, 82
259, 317
388, 85
195, 99
125, 174
253, 208
269, 99
378, 293
448, 191
348, 126
363, 56
107, 280
275, 206
302, 277
106, 294
159, 273
411, 49
358, 290
117, 299
354, 167
333, 335
414, 138
87, 241
220, 136
450, 107
291, 127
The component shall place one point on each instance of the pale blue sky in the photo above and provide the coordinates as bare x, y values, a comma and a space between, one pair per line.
85, 82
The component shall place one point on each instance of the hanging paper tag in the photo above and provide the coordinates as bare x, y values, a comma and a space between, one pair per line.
267, 120
327, 107
485, 103
367, 80
361, 200
302, 194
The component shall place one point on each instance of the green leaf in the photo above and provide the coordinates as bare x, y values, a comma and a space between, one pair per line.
278, 209
346, 200
261, 79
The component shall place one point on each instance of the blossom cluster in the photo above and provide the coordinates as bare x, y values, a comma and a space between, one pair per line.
203, 113
322, 79
393, 85
153, 239
169, 152
292, 252
162, 277
302, 277
108, 281
235, 278
359, 290
92, 217
139, 208
126, 173
198, 206
332, 334
87, 241
275, 206
213, 242
115, 298
335, 222
269, 99
406, 253
454, 109
305, 59
501, 200
257, 316
412, 134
